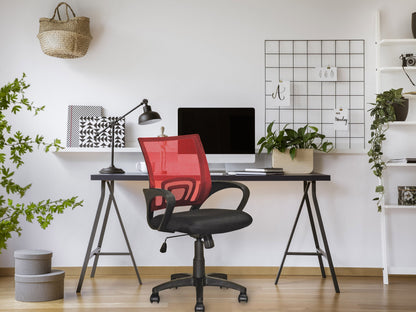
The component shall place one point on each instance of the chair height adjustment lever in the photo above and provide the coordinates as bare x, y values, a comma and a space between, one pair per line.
164, 246
208, 241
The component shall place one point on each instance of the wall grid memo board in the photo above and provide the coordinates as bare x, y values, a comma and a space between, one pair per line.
292, 75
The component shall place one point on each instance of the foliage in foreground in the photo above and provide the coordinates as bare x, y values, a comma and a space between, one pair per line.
13, 146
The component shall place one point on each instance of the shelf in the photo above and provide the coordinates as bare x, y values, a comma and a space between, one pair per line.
98, 150
398, 207
401, 164
395, 68
397, 41
402, 123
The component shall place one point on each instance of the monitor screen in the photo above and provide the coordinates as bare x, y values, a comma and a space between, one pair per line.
223, 130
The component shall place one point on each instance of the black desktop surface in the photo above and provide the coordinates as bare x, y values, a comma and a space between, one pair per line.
137, 176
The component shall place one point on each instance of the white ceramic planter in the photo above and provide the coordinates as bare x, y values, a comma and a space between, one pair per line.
302, 163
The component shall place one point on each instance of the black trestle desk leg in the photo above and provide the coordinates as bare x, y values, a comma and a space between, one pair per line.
315, 237
92, 236
305, 195
124, 232
103, 228
325, 241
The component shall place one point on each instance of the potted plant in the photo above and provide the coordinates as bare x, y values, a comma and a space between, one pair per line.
293, 150
387, 108
13, 147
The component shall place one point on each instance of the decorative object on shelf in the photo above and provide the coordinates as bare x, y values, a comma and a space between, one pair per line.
281, 95
162, 132
407, 195
401, 109
15, 145
414, 24
383, 112
90, 127
147, 117
408, 59
75, 112
289, 146
327, 73
66, 39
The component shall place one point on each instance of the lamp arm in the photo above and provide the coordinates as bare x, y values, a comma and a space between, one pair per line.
144, 102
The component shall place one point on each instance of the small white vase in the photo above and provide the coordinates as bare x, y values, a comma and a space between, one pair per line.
302, 163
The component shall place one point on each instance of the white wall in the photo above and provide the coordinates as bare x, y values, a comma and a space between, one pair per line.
202, 53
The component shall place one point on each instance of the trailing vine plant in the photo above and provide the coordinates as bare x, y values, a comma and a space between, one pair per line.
13, 146
383, 113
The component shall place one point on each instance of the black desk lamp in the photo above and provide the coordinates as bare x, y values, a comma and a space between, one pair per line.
146, 118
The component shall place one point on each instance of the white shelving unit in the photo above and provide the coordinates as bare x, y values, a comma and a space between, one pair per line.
380, 72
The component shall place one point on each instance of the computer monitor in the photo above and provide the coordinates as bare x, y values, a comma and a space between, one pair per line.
227, 133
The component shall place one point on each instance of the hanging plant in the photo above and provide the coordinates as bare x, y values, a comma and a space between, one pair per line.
383, 113
13, 146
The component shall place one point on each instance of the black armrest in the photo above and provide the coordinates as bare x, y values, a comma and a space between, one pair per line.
149, 195
221, 185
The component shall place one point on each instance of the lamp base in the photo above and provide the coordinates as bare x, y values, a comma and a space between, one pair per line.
111, 169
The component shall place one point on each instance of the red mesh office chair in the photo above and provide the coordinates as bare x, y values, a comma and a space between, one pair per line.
179, 176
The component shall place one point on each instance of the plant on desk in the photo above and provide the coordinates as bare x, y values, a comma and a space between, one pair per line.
13, 145
386, 109
293, 150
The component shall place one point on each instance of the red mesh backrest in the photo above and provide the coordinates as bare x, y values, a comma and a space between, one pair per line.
177, 164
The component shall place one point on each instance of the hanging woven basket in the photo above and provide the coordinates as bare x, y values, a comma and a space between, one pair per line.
66, 39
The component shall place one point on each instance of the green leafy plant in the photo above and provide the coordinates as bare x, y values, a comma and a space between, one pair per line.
13, 146
383, 113
304, 137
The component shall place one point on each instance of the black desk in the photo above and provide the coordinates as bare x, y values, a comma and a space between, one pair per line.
309, 183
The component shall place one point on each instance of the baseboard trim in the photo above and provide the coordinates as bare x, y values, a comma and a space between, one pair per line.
246, 272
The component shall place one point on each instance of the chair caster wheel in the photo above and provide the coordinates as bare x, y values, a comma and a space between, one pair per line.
242, 297
199, 307
154, 298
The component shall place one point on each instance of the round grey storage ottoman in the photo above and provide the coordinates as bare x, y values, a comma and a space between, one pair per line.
32, 261
43, 287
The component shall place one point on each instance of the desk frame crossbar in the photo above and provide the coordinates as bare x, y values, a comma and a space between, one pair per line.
319, 252
96, 253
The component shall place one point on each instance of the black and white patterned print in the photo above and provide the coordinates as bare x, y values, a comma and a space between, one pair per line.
90, 127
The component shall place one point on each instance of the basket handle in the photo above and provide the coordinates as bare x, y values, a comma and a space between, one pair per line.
67, 13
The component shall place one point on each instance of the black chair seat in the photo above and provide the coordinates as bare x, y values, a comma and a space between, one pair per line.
205, 221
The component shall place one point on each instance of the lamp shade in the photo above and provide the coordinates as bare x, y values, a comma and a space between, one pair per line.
148, 116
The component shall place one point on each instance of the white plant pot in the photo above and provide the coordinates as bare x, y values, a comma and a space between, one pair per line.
302, 163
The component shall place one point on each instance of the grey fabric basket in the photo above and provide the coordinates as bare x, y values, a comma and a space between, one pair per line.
43, 287
32, 262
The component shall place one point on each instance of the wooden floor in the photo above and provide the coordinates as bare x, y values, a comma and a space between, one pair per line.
293, 293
